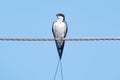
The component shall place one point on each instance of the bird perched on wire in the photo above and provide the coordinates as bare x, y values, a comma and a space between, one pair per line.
59, 29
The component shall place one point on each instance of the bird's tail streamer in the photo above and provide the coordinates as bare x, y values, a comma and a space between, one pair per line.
61, 70
56, 70
59, 62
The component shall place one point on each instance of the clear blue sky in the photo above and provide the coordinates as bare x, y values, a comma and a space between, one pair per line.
82, 60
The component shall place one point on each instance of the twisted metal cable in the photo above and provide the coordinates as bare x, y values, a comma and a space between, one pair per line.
66, 39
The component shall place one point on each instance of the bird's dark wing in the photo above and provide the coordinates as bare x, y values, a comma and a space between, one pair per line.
66, 29
53, 29
59, 51
62, 47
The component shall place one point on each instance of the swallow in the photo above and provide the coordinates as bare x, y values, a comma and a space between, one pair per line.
59, 29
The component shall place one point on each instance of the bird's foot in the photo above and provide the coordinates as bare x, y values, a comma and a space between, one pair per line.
61, 39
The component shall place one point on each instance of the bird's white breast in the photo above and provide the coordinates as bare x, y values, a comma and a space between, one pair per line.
60, 28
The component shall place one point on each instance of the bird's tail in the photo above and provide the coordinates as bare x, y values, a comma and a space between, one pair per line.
60, 53
60, 50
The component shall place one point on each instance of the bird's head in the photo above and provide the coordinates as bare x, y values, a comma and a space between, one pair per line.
60, 16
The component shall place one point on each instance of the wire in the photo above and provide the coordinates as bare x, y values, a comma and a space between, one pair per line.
66, 39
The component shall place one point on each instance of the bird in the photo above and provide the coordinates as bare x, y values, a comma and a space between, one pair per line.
59, 29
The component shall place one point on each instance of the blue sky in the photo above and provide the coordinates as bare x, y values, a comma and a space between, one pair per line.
82, 60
